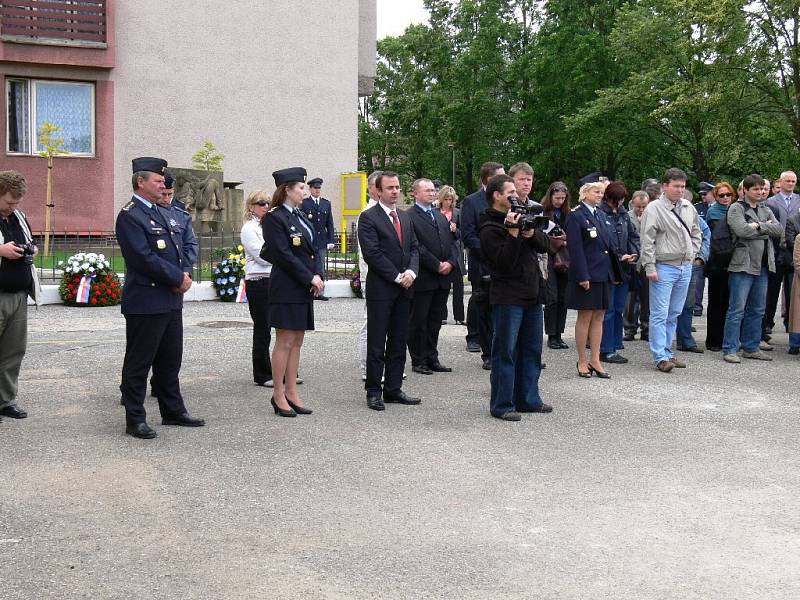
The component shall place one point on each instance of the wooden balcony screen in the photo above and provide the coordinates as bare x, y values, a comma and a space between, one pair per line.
80, 22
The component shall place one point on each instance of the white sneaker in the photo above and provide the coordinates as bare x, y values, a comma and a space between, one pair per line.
269, 384
732, 358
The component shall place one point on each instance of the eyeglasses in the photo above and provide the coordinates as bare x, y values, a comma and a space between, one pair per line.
261, 203
725, 195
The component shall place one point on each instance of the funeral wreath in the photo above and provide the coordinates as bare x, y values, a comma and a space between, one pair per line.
228, 274
88, 280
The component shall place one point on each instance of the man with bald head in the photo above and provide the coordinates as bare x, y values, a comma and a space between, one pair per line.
784, 204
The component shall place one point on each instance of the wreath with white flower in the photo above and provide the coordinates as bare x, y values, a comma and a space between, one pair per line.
228, 273
87, 270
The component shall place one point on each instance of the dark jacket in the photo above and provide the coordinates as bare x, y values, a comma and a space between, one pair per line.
624, 237
321, 219
436, 245
183, 222
294, 263
384, 254
589, 242
471, 210
512, 262
154, 260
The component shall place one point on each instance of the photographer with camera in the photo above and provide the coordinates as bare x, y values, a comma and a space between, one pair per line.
510, 238
18, 280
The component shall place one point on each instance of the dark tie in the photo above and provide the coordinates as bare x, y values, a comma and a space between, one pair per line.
431, 215
397, 228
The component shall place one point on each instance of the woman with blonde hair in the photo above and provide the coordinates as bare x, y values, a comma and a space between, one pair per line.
447, 206
591, 273
256, 282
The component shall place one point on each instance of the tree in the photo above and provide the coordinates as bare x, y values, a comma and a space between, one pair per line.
52, 146
207, 158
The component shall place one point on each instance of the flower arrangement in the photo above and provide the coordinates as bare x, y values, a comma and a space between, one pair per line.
355, 284
88, 280
228, 273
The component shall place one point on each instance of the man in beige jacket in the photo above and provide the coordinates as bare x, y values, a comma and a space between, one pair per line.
670, 241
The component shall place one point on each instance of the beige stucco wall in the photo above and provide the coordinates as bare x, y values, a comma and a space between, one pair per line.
272, 84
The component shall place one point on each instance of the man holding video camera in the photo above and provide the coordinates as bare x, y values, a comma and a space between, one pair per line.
511, 235
18, 280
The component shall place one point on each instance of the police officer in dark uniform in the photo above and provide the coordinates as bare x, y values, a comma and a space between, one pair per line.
152, 302
320, 214
296, 278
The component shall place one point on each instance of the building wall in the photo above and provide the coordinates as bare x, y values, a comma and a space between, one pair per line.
271, 84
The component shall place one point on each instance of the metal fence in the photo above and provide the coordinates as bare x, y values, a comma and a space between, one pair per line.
339, 262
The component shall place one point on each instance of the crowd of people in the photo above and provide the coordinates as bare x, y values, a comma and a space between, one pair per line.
627, 262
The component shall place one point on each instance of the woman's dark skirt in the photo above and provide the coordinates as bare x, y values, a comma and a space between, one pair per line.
597, 297
297, 317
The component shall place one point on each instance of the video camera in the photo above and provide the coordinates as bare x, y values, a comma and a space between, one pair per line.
531, 217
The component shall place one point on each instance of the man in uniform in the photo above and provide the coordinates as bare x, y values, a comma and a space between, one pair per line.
152, 302
318, 210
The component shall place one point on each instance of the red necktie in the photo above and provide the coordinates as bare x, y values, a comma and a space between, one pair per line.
397, 228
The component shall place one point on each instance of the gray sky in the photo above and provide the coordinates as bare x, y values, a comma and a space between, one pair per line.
395, 15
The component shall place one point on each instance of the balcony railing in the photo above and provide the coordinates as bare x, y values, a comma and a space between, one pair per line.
68, 22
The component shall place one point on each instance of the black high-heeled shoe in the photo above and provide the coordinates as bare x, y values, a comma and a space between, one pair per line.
280, 411
584, 374
600, 374
300, 410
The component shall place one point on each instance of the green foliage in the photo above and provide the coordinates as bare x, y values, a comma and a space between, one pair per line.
53, 146
207, 158
572, 86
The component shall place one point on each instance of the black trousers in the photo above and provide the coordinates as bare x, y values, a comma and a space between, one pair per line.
258, 304
479, 318
555, 310
782, 275
457, 280
387, 332
718, 295
637, 306
428, 309
152, 341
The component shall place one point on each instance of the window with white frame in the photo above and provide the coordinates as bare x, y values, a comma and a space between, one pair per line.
32, 102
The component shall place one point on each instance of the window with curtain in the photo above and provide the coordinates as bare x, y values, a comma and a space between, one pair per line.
31, 103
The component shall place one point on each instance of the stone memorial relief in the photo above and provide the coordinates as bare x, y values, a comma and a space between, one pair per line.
213, 204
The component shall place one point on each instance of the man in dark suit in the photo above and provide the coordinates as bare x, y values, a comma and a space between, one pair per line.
389, 246
479, 325
437, 259
152, 302
319, 212
784, 205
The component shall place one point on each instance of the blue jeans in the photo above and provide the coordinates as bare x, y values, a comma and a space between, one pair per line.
516, 357
794, 340
667, 297
684, 327
746, 307
612, 320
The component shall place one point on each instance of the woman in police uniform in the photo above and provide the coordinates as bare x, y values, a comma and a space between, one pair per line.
295, 280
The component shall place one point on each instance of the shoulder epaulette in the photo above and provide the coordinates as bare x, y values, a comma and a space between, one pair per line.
272, 209
128, 205
179, 209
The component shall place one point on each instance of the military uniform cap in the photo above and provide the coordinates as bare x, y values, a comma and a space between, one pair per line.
316, 182
590, 178
705, 187
169, 180
148, 163
290, 175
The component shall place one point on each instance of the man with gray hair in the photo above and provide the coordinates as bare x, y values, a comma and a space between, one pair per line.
18, 280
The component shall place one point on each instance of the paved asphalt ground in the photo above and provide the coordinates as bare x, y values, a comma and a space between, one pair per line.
644, 486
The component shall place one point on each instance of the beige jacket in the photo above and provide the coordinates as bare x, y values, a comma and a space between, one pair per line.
664, 240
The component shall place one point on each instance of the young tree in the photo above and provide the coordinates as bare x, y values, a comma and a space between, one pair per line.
51, 146
207, 158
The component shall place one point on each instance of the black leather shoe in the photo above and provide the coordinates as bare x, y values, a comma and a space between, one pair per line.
601, 374
401, 398
487, 364
794, 351
542, 408
141, 431
13, 411
562, 344
375, 403
300, 410
473, 347
509, 416
280, 411
422, 370
694, 349
645, 337
184, 420
613, 358
629, 337
713, 348
553, 344
323, 298
438, 367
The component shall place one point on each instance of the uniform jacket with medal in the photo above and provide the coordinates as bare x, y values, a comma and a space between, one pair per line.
591, 251
154, 259
290, 249
321, 219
